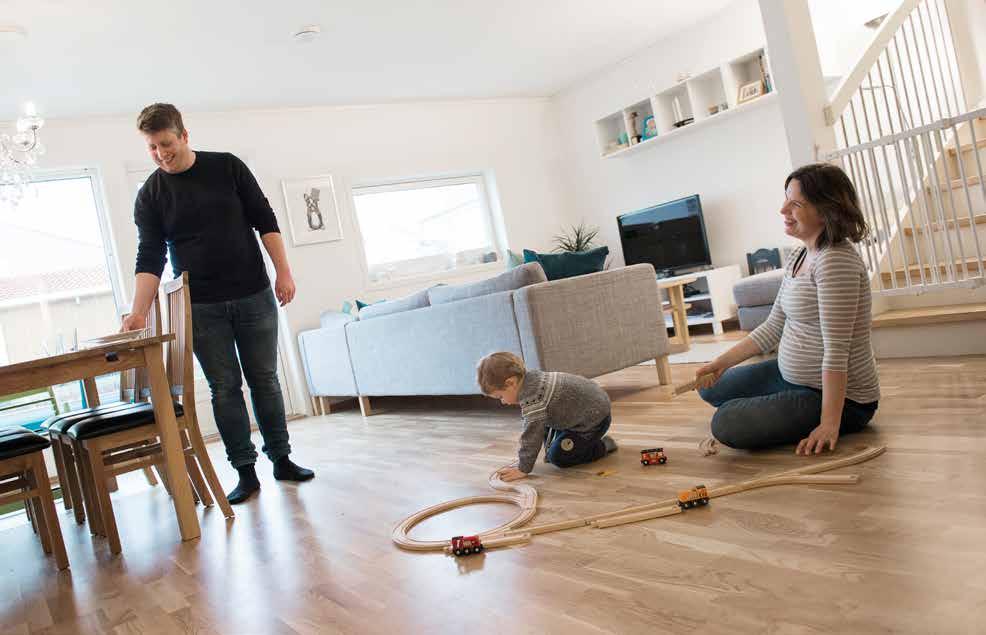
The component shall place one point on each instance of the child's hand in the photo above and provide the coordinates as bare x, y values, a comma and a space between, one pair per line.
511, 473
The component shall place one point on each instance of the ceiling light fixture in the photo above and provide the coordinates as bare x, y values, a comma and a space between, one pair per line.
307, 33
19, 153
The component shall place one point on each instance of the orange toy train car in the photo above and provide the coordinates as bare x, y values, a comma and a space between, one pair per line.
693, 497
653, 455
466, 545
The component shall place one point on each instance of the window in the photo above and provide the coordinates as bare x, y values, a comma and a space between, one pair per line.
425, 227
57, 286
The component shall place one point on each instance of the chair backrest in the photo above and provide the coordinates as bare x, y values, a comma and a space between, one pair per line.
178, 352
135, 383
763, 260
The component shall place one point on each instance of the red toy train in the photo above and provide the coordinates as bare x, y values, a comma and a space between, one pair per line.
654, 455
466, 545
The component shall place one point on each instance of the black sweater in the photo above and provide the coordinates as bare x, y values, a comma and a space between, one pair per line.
206, 217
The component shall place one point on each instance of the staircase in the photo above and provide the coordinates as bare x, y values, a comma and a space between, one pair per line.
916, 155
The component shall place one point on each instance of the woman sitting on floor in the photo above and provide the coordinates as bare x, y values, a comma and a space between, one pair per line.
823, 382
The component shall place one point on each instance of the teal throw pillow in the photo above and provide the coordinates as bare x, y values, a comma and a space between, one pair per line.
568, 264
514, 259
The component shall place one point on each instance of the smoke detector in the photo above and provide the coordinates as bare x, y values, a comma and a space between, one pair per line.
875, 22
307, 33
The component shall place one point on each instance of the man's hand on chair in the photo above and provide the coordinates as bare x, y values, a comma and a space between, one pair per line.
133, 322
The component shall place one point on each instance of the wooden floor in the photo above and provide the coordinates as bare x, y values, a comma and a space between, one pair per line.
903, 551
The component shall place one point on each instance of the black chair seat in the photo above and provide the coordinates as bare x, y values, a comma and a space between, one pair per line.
20, 441
60, 423
104, 423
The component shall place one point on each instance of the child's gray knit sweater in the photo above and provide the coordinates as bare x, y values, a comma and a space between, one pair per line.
559, 401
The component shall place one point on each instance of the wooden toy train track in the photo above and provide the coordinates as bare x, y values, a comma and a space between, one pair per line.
525, 497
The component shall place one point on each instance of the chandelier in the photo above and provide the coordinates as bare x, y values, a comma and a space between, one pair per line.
19, 153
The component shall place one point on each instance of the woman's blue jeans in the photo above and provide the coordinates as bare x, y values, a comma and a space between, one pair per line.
756, 408
242, 335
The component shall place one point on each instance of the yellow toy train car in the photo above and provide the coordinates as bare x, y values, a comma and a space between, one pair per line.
693, 497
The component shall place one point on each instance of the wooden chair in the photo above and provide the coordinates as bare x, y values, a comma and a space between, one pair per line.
133, 388
117, 442
24, 477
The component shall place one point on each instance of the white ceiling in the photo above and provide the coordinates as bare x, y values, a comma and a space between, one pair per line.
98, 57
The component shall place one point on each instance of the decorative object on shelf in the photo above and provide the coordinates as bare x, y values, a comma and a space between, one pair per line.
623, 139
749, 92
632, 127
650, 128
578, 238
714, 109
765, 73
723, 106
679, 117
676, 109
313, 215
18, 154
763, 260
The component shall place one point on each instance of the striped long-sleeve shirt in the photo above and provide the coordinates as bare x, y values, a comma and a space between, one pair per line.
821, 321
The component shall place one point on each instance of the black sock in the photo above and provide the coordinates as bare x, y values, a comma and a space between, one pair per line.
286, 470
249, 483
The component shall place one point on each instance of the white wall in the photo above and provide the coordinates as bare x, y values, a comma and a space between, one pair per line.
514, 139
736, 165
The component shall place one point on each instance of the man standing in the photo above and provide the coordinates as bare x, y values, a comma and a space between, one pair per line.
203, 207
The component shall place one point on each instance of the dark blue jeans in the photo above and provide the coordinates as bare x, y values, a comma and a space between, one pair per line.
757, 408
566, 448
228, 335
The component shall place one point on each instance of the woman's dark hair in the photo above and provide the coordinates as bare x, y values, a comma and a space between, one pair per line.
828, 188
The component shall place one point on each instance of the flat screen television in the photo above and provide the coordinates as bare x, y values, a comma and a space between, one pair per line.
670, 236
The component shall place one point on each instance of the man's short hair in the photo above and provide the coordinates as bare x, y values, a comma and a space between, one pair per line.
494, 370
158, 117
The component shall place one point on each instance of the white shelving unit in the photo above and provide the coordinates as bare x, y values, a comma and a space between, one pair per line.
714, 303
699, 99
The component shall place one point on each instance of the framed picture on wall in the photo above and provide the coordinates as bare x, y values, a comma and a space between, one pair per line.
751, 91
313, 213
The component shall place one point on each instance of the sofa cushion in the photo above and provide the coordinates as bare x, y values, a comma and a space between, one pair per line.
759, 289
569, 264
335, 318
417, 300
750, 317
516, 278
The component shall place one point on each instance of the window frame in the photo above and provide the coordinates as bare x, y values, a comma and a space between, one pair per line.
102, 217
478, 178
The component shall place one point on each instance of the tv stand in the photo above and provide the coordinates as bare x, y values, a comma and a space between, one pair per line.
714, 303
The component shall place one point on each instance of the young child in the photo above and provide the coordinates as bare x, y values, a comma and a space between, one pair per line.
566, 413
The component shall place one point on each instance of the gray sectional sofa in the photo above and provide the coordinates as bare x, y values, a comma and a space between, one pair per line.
755, 297
430, 342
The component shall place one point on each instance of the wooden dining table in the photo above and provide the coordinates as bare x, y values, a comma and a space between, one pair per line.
109, 358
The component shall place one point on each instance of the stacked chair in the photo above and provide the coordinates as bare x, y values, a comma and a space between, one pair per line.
115, 439
24, 477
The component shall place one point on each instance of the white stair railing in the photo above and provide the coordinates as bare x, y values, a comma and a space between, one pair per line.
931, 240
894, 116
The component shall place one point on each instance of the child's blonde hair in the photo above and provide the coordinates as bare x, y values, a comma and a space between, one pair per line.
495, 369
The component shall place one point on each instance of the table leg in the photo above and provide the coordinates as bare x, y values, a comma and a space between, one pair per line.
171, 446
92, 393
677, 296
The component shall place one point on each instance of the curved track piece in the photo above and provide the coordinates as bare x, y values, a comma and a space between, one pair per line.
525, 497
